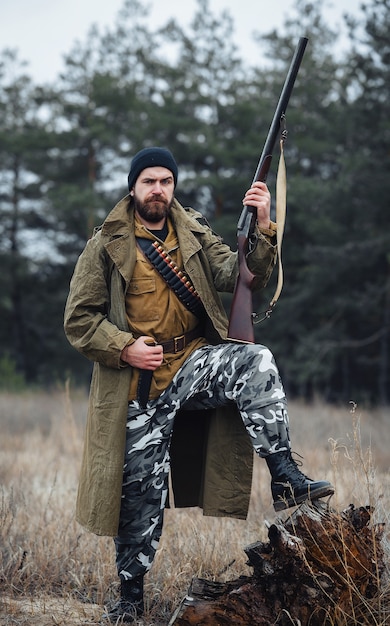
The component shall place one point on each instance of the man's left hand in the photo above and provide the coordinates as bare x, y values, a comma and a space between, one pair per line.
259, 197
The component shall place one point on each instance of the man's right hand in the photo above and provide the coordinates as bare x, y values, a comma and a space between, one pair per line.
144, 353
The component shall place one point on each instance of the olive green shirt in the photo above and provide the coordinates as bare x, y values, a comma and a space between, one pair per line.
153, 309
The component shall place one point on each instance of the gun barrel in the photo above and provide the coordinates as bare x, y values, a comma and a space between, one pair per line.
274, 130
241, 318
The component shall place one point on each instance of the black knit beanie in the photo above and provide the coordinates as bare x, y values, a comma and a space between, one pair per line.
151, 157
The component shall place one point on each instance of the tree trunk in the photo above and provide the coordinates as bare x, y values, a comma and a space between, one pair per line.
319, 567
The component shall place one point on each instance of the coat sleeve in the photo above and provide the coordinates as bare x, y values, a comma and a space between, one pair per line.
261, 258
86, 320
223, 261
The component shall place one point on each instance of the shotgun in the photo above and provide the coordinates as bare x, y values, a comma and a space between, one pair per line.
241, 313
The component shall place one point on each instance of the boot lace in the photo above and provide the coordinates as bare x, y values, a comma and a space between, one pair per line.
293, 465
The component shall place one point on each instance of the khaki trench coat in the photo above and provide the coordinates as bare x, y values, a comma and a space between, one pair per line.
216, 472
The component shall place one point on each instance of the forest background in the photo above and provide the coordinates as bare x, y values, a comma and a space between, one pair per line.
65, 151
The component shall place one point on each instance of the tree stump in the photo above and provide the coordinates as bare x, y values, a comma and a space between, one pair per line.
319, 567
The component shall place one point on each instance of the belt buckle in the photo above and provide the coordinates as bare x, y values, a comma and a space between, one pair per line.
179, 343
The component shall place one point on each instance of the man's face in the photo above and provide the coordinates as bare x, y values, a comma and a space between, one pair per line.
153, 193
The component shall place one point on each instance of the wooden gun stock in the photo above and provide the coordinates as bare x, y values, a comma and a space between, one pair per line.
241, 313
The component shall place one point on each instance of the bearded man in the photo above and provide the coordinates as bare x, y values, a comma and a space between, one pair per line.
169, 392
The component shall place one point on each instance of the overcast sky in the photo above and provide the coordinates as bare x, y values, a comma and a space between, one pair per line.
44, 30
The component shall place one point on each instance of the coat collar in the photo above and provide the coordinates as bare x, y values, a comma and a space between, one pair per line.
120, 219
118, 228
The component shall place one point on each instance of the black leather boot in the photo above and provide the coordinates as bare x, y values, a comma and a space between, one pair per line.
289, 486
130, 605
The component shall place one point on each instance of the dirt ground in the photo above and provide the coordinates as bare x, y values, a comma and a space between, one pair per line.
48, 611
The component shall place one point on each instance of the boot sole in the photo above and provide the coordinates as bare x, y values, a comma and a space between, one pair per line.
315, 494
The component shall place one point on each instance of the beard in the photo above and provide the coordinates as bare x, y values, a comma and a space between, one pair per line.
153, 210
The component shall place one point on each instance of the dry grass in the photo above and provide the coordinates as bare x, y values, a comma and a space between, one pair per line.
53, 572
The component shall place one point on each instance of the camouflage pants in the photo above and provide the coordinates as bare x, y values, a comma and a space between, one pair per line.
210, 377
